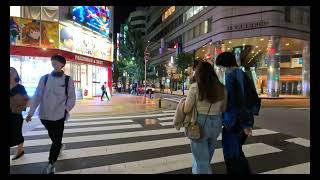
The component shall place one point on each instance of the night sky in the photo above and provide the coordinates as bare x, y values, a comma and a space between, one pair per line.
121, 13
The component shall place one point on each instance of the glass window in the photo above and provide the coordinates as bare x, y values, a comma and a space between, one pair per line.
168, 12
185, 37
205, 27
15, 11
287, 13
300, 14
50, 13
197, 30
190, 34
197, 9
189, 13
66, 68
31, 12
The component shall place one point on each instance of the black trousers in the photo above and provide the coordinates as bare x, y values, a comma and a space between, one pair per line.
104, 93
55, 131
238, 165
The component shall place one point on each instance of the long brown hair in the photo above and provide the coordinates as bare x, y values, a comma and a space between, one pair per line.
210, 88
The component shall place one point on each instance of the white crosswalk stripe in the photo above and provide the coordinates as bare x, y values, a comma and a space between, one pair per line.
161, 149
93, 123
169, 111
303, 168
172, 99
42, 132
170, 163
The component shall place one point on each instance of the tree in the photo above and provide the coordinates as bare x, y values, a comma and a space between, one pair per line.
182, 62
132, 54
161, 72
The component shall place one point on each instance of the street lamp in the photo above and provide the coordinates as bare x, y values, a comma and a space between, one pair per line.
145, 68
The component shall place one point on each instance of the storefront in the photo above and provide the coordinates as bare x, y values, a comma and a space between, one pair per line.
88, 73
254, 54
89, 58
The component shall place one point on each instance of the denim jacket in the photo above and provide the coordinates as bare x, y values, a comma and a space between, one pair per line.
236, 116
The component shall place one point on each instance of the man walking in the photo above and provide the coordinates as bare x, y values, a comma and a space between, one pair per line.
56, 96
104, 91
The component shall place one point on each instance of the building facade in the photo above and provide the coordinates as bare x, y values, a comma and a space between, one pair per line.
137, 20
270, 42
38, 32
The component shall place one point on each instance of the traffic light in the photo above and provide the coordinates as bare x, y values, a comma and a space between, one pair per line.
276, 78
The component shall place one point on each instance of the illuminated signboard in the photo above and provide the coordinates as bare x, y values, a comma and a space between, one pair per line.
96, 18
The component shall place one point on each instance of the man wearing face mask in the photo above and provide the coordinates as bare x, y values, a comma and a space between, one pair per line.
56, 96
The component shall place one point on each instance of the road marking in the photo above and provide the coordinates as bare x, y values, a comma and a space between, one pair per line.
303, 168
38, 142
93, 123
89, 129
102, 150
169, 163
122, 117
165, 118
299, 141
170, 111
301, 108
172, 100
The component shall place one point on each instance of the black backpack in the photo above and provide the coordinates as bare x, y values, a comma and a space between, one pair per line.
252, 100
66, 81
103, 88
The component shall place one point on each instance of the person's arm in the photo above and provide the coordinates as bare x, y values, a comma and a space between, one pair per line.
37, 97
191, 99
71, 100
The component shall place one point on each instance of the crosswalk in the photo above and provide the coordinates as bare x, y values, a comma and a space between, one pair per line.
127, 145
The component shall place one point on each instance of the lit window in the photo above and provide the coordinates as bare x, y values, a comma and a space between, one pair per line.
168, 12
206, 27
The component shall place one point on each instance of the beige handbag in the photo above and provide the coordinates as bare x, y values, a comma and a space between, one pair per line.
194, 130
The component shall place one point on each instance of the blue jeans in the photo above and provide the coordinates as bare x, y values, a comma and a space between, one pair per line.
203, 149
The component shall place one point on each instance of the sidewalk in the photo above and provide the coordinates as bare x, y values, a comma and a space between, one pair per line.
262, 96
282, 101
118, 104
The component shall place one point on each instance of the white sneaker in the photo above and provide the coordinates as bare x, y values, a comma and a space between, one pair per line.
51, 169
63, 147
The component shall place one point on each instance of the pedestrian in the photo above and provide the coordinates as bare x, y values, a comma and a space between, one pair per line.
208, 96
131, 88
56, 96
104, 91
18, 102
237, 120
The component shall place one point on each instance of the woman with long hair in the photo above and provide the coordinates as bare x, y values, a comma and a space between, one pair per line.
18, 102
208, 96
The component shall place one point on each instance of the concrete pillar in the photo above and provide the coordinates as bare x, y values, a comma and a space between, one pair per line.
273, 73
306, 69
220, 71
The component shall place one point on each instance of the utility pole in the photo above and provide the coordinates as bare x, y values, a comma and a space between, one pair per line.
146, 55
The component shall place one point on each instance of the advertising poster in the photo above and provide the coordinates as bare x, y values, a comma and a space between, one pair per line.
84, 44
49, 34
96, 18
30, 32
15, 31
66, 38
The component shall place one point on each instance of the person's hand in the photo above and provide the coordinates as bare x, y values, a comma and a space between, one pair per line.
28, 119
248, 131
